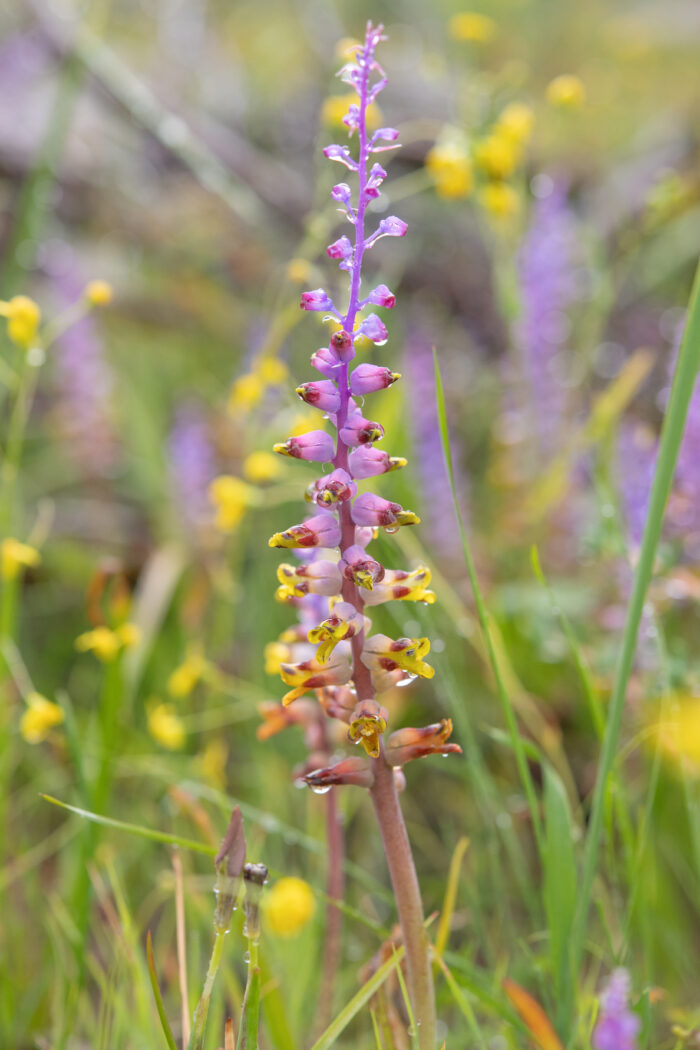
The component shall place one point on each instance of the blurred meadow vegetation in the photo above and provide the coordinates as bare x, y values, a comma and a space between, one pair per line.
163, 199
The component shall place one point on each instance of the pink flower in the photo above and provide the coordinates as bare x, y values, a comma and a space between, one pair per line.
322, 394
315, 446
368, 461
316, 301
367, 378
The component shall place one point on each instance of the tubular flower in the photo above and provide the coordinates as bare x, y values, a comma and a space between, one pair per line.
330, 591
381, 653
344, 622
402, 585
406, 744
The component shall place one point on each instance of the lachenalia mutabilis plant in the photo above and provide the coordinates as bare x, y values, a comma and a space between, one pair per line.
350, 665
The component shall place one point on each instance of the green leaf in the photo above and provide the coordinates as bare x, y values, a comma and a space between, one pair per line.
325, 1041
559, 885
156, 993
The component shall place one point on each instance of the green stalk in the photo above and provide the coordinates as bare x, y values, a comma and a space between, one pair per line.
683, 382
200, 1015
250, 1015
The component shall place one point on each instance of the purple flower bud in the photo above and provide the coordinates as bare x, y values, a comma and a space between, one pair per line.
352, 118
316, 301
322, 530
368, 461
382, 296
376, 178
355, 771
383, 135
341, 342
341, 193
392, 226
327, 362
367, 378
370, 509
341, 154
340, 249
365, 535
336, 487
360, 431
315, 446
373, 328
322, 394
361, 569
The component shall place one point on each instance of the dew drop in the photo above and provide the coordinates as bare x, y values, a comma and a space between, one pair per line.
391, 529
320, 789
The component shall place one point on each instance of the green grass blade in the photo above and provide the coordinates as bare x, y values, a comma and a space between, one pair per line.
485, 622
325, 1041
683, 382
134, 829
156, 994
559, 886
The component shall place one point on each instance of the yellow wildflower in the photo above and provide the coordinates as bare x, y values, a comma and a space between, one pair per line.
566, 91
304, 424
246, 392
129, 634
500, 200
23, 318
472, 26
231, 498
516, 121
451, 169
272, 371
261, 466
166, 727
40, 717
102, 641
336, 106
185, 677
98, 293
298, 271
212, 762
289, 906
678, 732
15, 556
497, 155
346, 48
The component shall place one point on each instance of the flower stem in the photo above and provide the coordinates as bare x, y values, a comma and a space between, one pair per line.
408, 901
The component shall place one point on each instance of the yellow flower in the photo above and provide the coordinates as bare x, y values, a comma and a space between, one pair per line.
39, 718
304, 424
261, 466
451, 169
129, 634
231, 498
472, 26
102, 641
500, 200
212, 762
497, 155
566, 91
516, 122
346, 48
15, 556
336, 106
23, 318
185, 677
98, 293
166, 727
246, 392
289, 906
678, 732
272, 371
298, 271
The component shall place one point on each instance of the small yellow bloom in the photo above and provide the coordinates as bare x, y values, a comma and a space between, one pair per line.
15, 556
185, 677
516, 122
298, 271
472, 26
304, 424
497, 155
346, 48
231, 498
566, 91
98, 293
289, 906
272, 371
245, 392
500, 200
23, 318
261, 466
40, 717
336, 106
451, 169
129, 634
101, 641
212, 762
166, 727
276, 654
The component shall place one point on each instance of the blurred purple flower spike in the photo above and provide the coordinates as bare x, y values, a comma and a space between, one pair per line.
617, 1026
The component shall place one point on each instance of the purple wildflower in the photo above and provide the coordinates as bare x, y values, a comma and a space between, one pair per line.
192, 463
617, 1026
685, 498
547, 276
